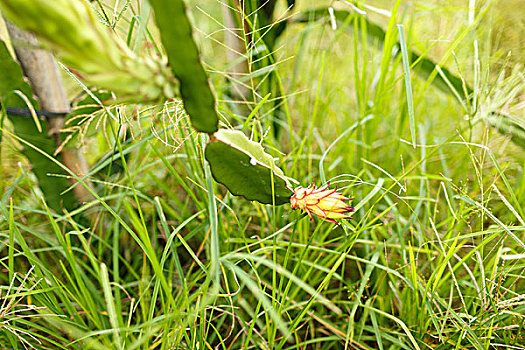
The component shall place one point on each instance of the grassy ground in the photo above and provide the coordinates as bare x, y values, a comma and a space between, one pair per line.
434, 256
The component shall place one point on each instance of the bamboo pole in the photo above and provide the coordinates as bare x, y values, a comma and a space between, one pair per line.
41, 69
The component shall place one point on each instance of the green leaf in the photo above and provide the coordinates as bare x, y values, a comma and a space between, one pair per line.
245, 169
25, 128
183, 57
424, 66
507, 126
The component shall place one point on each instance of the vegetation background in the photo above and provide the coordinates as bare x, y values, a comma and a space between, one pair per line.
434, 256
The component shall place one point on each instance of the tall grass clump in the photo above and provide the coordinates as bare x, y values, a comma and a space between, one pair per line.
415, 110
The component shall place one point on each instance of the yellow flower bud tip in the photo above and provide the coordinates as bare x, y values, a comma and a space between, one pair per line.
323, 202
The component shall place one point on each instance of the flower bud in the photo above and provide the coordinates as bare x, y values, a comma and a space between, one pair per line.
323, 202
71, 30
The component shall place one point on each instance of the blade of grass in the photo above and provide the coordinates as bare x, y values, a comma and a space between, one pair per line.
408, 83
108, 296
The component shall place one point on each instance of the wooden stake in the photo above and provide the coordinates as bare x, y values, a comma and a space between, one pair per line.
41, 69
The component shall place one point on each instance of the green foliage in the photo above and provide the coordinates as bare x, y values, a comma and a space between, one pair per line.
426, 69
245, 169
183, 57
50, 177
420, 64
433, 257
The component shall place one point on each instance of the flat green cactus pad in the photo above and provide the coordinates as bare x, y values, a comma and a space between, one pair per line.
245, 169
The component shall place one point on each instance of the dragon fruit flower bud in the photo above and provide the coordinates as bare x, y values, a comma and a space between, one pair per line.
323, 202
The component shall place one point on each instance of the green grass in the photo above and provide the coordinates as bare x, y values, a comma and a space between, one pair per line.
164, 258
